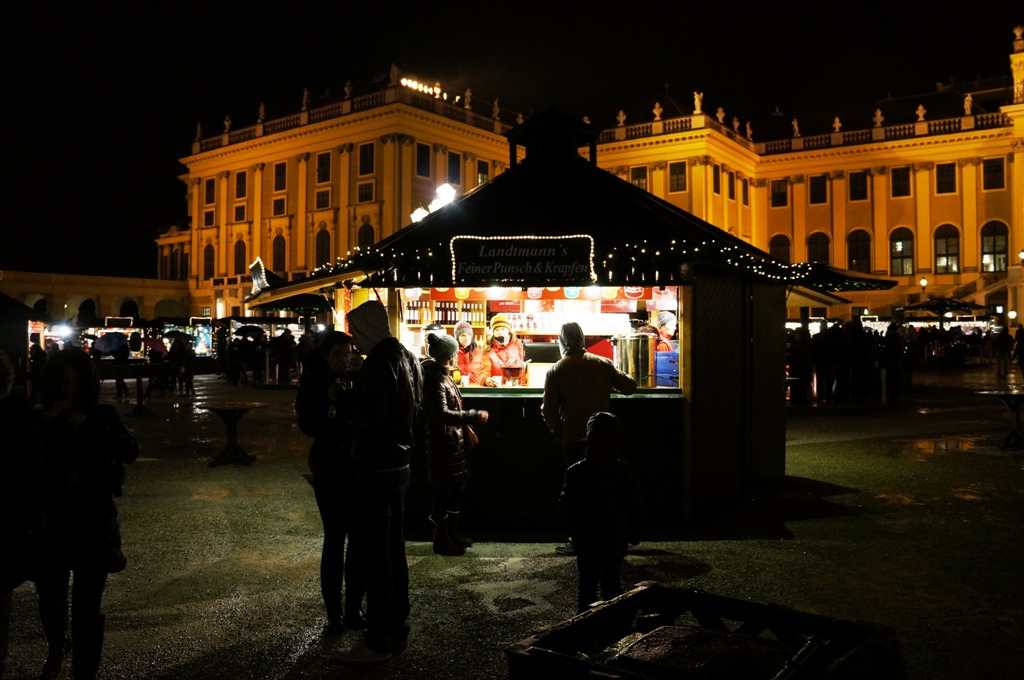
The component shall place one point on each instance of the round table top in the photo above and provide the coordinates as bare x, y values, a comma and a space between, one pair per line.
1003, 393
231, 405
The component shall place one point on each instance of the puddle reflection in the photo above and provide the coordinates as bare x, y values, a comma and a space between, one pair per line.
923, 449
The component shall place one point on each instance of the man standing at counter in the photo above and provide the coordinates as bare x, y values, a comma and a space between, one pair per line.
388, 394
578, 386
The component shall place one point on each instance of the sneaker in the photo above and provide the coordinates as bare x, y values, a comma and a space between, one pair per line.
360, 653
566, 550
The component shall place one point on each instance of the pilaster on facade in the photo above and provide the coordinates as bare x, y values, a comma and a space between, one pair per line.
837, 197
880, 227
301, 233
798, 216
925, 246
759, 212
223, 228
256, 203
968, 170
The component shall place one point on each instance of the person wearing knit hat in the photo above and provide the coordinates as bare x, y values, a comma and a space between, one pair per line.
504, 349
469, 355
666, 330
446, 444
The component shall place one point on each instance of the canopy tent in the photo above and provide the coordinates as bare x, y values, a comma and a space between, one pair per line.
13, 311
940, 306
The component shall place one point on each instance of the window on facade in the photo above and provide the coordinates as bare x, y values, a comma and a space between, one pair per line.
240, 212
208, 218
210, 191
323, 247
279, 206
241, 266
858, 182
208, 261
455, 168
994, 256
323, 199
483, 172
638, 177
277, 250
280, 176
945, 178
731, 181
818, 248
240, 184
901, 252
323, 167
677, 176
778, 247
992, 174
858, 251
423, 160
716, 179
366, 158
780, 193
817, 189
947, 250
745, 186
365, 192
899, 182
366, 236
204, 311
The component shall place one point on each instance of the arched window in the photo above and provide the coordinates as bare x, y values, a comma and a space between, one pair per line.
241, 266
817, 248
778, 247
993, 247
858, 251
366, 236
323, 247
129, 308
278, 255
208, 260
901, 252
947, 250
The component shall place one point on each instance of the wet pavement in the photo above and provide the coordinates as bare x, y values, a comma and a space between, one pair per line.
909, 516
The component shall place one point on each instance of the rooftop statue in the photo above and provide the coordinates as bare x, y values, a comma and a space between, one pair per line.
305, 98
262, 115
495, 110
657, 110
750, 132
348, 89
720, 115
735, 124
227, 123
394, 75
796, 127
468, 96
968, 103
698, 100
621, 117
878, 118
920, 112
837, 124
199, 131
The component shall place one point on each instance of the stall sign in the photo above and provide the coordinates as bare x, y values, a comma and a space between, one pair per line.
531, 260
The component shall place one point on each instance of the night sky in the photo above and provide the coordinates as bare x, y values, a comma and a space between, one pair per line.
100, 100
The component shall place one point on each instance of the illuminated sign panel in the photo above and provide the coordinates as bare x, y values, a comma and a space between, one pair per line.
544, 260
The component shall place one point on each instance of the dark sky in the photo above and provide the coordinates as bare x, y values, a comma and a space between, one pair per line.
101, 99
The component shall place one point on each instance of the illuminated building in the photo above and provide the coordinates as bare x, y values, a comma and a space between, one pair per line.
918, 186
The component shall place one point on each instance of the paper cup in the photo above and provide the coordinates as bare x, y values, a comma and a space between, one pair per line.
497, 380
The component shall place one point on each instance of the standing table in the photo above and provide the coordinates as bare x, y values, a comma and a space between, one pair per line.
231, 412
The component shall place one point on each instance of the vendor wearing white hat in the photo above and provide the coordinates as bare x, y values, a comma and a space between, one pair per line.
666, 330
504, 348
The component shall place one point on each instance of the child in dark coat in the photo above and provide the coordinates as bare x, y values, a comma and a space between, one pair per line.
601, 505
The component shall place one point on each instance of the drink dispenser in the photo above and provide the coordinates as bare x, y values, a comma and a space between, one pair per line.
634, 356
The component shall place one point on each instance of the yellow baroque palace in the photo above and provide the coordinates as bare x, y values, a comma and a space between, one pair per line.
926, 190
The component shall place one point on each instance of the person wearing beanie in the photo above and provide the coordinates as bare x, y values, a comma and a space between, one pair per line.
446, 445
504, 348
385, 410
602, 507
666, 331
576, 387
469, 355
427, 331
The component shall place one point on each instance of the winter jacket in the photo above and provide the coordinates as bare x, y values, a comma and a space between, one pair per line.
389, 387
601, 506
495, 358
469, 362
442, 404
576, 387
21, 503
328, 422
83, 469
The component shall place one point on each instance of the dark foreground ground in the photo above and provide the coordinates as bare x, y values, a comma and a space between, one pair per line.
908, 516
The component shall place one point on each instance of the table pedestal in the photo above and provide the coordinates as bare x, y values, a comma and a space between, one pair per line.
231, 412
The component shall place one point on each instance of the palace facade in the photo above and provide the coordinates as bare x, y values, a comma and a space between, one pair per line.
926, 190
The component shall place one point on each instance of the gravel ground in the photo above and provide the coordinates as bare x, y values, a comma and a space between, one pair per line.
908, 516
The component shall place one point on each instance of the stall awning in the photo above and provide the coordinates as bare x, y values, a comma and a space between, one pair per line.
798, 296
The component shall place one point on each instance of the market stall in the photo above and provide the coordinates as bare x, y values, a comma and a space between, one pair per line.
555, 229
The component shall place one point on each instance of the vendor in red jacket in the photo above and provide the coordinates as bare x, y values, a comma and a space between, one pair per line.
469, 355
503, 349
666, 331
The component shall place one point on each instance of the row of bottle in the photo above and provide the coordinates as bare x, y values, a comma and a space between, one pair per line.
424, 312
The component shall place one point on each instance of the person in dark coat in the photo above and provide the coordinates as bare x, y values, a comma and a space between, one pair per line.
323, 408
601, 505
446, 448
21, 506
386, 414
85, 449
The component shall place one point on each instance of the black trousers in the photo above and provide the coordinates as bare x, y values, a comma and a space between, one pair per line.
334, 498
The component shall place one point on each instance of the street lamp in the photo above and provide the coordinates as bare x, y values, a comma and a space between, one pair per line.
924, 284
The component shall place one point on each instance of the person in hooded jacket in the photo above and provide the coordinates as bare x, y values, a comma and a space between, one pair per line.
601, 504
385, 415
85, 449
469, 356
576, 387
446, 450
323, 409
504, 348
